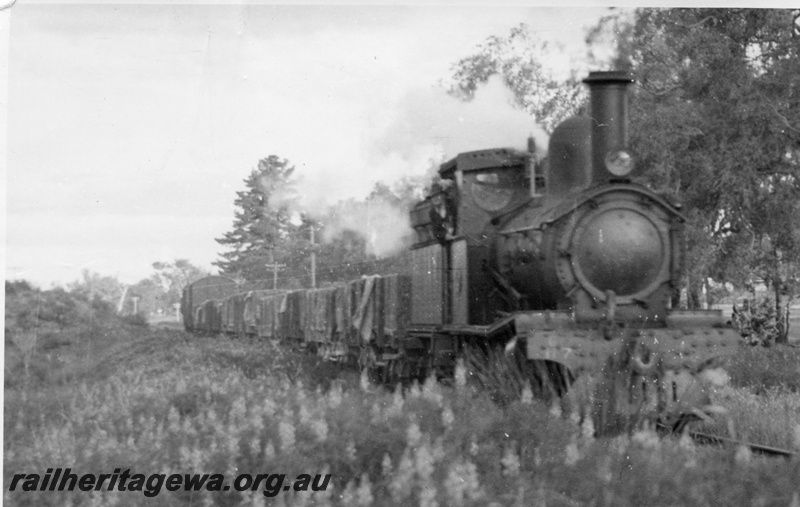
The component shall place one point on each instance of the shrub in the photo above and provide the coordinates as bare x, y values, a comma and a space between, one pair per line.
136, 319
759, 322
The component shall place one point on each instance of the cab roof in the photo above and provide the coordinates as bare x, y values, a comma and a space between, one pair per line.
482, 159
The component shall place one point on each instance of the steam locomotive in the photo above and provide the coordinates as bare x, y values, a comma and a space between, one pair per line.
564, 261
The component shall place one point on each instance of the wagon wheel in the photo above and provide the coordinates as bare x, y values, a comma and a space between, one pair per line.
368, 363
395, 371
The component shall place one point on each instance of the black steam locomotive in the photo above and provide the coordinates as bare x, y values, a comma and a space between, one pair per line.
565, 261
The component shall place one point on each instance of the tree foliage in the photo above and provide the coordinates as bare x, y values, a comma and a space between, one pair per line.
716, 124
171, 278
517, 58
94, 286
28, 308
151, 295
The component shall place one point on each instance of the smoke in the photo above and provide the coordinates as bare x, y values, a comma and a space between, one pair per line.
383, 225
423, 129
432, 123
282, 195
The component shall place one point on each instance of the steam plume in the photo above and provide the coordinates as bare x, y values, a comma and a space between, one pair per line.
384, 226
431, 123
428, 127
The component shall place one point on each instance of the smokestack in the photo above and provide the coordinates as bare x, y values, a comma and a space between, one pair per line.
611, 157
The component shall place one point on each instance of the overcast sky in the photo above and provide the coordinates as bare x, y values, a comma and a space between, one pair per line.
131, 127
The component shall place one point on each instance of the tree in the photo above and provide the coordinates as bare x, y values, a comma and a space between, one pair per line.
150, 293
97, 288
22, 307
14, 287
263, 232
517, 59
170, 278
29, 308
716, 124
343, 257
59, 307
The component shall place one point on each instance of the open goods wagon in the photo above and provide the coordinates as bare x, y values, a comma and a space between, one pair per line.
332, 321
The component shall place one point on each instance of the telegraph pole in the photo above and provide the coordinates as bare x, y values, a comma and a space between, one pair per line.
275, 267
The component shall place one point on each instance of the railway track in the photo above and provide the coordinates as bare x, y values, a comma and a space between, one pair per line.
763, 450
720, 441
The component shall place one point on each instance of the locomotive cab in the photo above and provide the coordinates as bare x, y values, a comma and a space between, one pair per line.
454, 257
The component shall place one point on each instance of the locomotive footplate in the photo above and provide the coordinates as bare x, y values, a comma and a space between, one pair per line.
626, 375
680, 347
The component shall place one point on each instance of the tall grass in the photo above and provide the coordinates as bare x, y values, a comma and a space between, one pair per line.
771, 418
167, 403
762, 399
761, 369
505, 375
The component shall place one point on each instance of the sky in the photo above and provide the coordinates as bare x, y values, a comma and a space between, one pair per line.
130, 127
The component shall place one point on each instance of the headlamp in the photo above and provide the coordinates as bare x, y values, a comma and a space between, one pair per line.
619, 162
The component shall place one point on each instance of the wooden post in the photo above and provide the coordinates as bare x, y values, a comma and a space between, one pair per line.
122, 300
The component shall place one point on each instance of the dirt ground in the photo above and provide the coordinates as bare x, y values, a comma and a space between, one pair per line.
165, 321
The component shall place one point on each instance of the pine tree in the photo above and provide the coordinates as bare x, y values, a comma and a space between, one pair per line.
262, 232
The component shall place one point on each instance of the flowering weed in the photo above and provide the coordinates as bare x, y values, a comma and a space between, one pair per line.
178, 404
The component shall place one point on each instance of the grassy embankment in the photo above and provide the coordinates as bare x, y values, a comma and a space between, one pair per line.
160, 401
